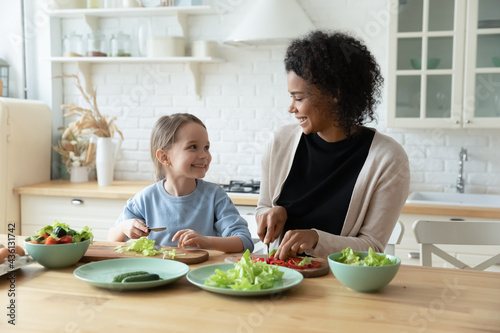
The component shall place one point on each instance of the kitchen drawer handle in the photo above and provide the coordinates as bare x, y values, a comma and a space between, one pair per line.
77, 202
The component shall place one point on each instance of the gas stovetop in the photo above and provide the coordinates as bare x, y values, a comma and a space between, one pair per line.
238, 186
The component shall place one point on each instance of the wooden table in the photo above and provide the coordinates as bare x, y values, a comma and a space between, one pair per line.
419, 299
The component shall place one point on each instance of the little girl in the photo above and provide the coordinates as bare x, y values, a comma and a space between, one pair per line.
196, 213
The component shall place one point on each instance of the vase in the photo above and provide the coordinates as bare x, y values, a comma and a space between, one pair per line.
106, 152
79, 174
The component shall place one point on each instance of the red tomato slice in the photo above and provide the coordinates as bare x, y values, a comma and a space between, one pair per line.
277, 262
66, 239
50, 241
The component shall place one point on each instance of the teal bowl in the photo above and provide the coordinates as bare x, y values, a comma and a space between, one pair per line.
57, 255
496, 61
432, 63
363, 279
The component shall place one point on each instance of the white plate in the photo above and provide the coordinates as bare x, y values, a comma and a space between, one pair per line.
198, 276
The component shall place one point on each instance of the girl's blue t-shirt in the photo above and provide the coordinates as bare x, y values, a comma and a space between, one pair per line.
208, 210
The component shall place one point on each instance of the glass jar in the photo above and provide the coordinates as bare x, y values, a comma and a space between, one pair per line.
120, 45
96, 45
72, 45
93, 3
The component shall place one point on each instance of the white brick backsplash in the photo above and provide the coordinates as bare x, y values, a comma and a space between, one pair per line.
256, 101
127, 166
238, 90
223, 147
223, 101
220, 79
236, 158
255, 78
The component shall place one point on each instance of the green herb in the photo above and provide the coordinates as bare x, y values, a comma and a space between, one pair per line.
246, 275
372, 259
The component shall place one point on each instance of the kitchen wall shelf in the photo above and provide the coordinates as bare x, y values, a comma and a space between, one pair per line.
130, 12
442, 70
84, 62
91, 16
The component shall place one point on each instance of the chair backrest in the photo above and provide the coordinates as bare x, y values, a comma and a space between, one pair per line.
395, 239
428, 233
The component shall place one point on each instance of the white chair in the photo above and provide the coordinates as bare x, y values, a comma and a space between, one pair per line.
395, 239
428, 233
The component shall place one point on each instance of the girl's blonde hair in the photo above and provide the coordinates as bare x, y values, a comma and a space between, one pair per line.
163, 135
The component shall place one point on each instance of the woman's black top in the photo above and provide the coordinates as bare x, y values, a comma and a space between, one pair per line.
318, 189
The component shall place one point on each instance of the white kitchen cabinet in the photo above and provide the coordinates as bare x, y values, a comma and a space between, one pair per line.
91, 18
97, 213
471, 255
444, 65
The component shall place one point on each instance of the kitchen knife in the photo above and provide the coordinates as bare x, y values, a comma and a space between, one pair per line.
157, 229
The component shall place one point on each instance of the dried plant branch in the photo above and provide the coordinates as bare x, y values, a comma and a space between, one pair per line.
90, 120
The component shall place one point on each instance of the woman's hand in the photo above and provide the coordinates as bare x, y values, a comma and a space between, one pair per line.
271, 223
296, 241
134, 228
188, 237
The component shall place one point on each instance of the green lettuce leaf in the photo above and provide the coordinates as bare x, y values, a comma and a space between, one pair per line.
246, 275
372, 259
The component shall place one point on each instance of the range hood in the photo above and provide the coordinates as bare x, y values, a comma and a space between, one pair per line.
271, 22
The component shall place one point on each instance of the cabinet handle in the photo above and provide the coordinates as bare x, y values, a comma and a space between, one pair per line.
457, 122
413, 255
77, 202
467, 121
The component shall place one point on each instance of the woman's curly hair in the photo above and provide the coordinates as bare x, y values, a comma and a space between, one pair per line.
343, 70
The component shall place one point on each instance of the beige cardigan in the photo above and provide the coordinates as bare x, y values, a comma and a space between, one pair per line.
377, 199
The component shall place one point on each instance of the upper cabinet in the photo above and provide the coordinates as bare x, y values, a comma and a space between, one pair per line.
444, 64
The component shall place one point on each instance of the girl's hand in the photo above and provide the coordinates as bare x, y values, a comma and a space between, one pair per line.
271, 223
188, 237
134, 228
296, 241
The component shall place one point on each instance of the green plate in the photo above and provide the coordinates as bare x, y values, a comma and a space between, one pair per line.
198, 276
100, 273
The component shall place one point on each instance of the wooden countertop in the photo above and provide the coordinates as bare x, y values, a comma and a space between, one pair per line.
125, 189
121, 189
418, 299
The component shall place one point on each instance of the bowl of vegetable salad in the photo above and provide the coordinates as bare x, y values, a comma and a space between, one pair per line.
58, 245
363, 271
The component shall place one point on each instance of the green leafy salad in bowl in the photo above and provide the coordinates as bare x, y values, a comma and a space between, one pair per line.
58, 245
363, 271
372, 259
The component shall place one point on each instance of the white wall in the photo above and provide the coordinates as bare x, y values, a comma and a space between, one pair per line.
245, 98
11, 44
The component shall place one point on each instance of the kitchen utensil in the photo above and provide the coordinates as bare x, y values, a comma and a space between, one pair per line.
363, 278
307, 272
101, 273
157, 229
198, 276
106, 250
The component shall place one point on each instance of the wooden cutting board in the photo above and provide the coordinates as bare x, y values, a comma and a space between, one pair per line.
307, 273
106, 250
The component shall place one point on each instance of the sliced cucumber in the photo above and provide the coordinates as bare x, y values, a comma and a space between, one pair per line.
141, 278
120, 277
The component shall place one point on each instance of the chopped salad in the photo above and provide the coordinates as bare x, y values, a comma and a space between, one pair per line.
247, 274
372, 259
60, 233
145, 247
